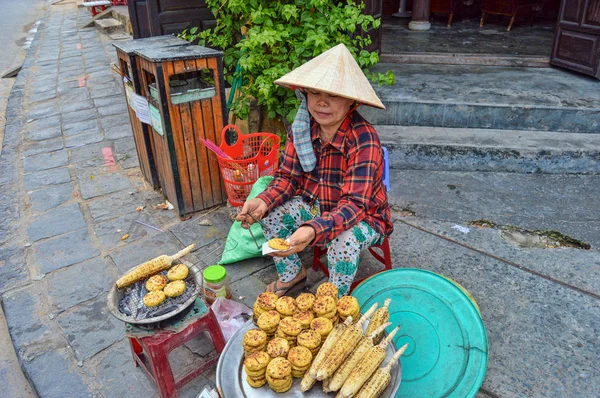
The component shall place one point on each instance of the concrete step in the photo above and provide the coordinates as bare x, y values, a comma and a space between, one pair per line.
488, 97
458, 149
108, 25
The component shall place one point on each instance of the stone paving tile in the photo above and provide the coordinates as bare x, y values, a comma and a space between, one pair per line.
101, 184
147, 249
50, 197
43, 134
78, 140
41, 179
13, 268
77, 116
36, 147
8, 170
61, 381
89, 156
119, 131
42, 96
117, 375
114, 205
45, 161
56, 222
65, 250
71, 96
65, 285
77, 106
192, 232
24, 314
43, 123
115, 109
79, 127
90, 328
42, 111
115, 121
110, 237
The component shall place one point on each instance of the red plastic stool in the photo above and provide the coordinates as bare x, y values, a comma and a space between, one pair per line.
385, 258
152, 353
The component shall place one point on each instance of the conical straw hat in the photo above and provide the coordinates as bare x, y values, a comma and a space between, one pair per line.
335, 72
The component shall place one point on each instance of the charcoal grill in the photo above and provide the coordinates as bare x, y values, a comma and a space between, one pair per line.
170, 308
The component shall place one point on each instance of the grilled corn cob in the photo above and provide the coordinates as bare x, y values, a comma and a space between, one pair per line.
380, 317
380, 380
361, 373
342, 373
345, 345
151, 267
311, 376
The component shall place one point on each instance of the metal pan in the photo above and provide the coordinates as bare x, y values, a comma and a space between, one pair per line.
115, 295
231, 377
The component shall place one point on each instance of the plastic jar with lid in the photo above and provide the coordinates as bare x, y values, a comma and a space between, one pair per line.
215, 283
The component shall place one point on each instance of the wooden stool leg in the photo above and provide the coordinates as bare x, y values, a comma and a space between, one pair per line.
512, 20
450, 19
482, 21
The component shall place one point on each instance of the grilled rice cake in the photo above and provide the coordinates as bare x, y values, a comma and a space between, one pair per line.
254, 338
174, 289
305, 318
268, 321
257, 361
286, 306
152, 299
256, 383
267, 300
290, 326
348, 305
327, 289
278, 347
178, 272
156, 282
322, 326
325, 306
309, 338
279, 368
278, 244
305, 301
299, 357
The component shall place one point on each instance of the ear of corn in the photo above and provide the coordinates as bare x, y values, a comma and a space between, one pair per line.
326, 386
307, 382
380, 317
342, 373
381, 379
151, 267
329, 343
345, 345
361, 373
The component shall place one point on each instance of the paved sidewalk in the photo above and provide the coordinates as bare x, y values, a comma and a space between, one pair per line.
64, 209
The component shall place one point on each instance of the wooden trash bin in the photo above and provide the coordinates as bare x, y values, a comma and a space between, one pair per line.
129, 68
185, 90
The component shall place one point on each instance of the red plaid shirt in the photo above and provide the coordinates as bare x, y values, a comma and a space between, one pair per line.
347, 181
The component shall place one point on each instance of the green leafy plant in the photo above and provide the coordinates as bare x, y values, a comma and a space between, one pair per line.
269, 38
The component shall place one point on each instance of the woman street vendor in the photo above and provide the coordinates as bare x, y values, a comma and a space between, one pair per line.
328, 190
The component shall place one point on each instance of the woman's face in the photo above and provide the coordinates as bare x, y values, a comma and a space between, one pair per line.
328, 110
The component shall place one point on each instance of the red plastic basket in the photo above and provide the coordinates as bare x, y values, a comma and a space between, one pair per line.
252, 156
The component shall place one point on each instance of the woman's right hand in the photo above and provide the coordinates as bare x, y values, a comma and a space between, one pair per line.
256, 207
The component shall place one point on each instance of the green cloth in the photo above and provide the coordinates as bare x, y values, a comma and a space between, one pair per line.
240, 245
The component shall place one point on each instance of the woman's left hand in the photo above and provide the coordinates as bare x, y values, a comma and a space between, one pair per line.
298, 241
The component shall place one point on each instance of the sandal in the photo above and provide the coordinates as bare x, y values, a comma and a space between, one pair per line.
287, 290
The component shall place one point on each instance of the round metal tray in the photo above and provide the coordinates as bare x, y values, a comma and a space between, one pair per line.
114, 295
231, 377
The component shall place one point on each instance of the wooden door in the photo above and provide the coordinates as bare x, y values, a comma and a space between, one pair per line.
577, 37
374, 8
163, 17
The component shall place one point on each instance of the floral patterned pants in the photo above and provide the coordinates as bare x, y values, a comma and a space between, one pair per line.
343, 253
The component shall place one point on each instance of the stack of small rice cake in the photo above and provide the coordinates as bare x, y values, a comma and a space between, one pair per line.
305, 318
288, 329
325, 307
305, 301
264, 302
279, 375
254, 340
286, 306
311, 340
268, 322
255, 366
300, 358
278, 347
327, 289
348, 306
323, 326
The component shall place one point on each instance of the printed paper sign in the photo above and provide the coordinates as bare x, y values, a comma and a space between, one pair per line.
156, 119
141, 108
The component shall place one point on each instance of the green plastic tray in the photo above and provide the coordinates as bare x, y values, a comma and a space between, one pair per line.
447, 343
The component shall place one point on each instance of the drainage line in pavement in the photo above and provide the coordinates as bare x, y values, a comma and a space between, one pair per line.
522, 268
489, 393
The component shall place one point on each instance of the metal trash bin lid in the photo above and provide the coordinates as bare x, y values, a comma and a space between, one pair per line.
448, 348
